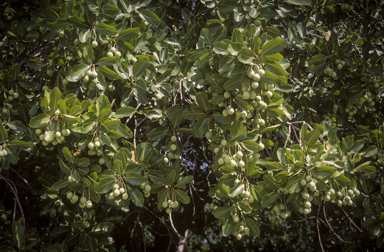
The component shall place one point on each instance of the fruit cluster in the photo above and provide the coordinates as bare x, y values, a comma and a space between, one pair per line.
118, 191
241, 228
169, 205
146, 189
54, 137
95, 147
83, 200
172, 148
12, 95
3, 152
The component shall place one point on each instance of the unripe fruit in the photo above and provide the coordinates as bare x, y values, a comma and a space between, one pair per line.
16, 95
115, 186
241, 164
38, 131
224, 142
208, 134
173, 147
261, 146
75, 198
109, 54
101, 161
94, 44
168, 210
227, 94
307, 204
147, 188
165, 160
88, 204
86, 79
113, 49
70, 179
69, 195
239, 236
220, 161
94, 73
116, 192
173, 138
118, 54
308, 178
303, 182
236, 218
125, 196
83, 199
255, 85
246, 95
170, 155
256, 77
91, 145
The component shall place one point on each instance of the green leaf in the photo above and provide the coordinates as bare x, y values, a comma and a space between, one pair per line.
311, 138
58, 25
39, 121
105, 185
299, 2
185, 180
276, 68
222, 119
245, 56
273, 46
107, 72
361, 167
158, 133
16, 126
137, 198
108, 61
151, 17
124, 112
182, 196
78, 22
253, 227
64, 167
18, 234
3, 133
128, 34
17, 143
222, 212
206, 36
269, 129
55, 96
77, 72
370, 151
134, 179
250, 145
239, 188
231, 84
159, 180
106, 29
200, 127
139, 66
118, 167
202, 101
342, 180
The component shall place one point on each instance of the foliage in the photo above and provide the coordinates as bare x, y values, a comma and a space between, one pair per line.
208, 122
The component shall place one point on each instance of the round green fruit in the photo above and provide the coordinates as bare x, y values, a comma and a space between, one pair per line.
94, 44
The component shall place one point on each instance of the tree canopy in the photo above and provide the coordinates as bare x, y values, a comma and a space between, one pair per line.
211, 125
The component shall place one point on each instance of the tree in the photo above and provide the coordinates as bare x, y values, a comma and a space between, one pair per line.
185, 125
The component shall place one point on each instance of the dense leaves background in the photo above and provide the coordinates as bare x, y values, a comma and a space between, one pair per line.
135, 73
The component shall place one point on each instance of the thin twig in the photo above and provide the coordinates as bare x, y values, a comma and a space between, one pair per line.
351, 220
22, 178
174, 229
325, 217
288, 136
318, 230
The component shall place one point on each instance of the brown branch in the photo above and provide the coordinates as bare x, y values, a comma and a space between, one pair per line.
318, 230
325, 217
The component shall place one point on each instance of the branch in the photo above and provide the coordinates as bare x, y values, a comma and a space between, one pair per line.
351, 220
174, 229
325, 217
14, 190
318, 230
